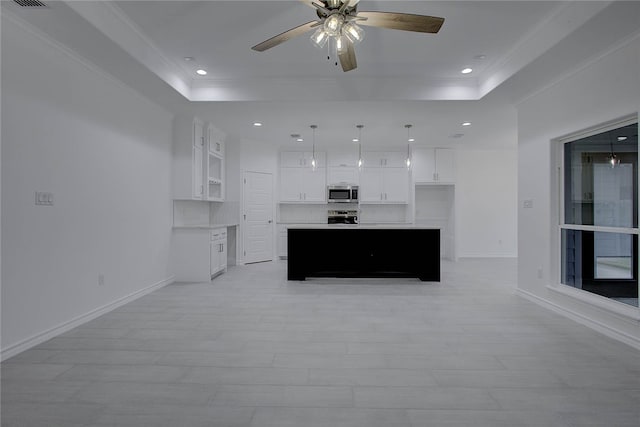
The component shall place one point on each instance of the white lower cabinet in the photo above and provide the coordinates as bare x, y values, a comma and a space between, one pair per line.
218, 251
198, 253
282, 241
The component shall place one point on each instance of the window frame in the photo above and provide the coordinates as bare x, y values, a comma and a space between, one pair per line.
599, 300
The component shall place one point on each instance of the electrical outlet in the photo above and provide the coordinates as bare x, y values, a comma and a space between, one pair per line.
527, 204
100, 279
44, 198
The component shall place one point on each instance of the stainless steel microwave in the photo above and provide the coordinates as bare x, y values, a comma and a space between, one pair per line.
342, 193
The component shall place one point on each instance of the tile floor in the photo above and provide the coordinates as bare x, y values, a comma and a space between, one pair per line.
252, 349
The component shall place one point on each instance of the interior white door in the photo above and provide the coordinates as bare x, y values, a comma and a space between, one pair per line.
258, 217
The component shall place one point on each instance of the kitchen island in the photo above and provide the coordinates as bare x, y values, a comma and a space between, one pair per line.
363, 251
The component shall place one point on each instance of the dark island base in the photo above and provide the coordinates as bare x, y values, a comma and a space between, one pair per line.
363, 252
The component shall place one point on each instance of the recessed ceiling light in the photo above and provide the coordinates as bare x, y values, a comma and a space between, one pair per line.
355, 140
411, 139
257, 124
466, 123
466, 70
189, 58
201, 72
622, 138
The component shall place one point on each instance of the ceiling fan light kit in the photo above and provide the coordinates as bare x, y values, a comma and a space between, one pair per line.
338, 20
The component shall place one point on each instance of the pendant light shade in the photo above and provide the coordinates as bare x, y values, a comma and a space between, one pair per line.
360, 163
353, 32
612, 158
320, 38
314, 164
409, 141
333, 24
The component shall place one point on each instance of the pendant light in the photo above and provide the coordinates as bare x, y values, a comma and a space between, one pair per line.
314, 164
360, 146
409, 141
612, 158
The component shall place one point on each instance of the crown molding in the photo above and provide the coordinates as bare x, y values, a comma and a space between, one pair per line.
10, 18
561, 22
109, 19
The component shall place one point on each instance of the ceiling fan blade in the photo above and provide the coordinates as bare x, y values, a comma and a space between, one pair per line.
348, 57
283, 37
401, 21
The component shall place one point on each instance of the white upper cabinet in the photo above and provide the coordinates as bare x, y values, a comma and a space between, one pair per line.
343, 158
214, 164
301, 159
384, 178
216, 140
299, 183
433, 165
391, 159
342, 175
343, 167
188, 158
384, 185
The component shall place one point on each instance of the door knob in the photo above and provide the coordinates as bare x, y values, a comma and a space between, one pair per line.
270, 221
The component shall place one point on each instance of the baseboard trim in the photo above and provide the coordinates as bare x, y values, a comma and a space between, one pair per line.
582, 319
34, 340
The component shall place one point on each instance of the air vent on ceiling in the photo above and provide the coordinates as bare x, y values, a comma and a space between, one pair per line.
30, 3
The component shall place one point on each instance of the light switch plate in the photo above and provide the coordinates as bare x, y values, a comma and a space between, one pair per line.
44, 198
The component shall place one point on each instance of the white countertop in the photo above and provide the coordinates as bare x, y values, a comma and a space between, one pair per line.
363, 226
204, 227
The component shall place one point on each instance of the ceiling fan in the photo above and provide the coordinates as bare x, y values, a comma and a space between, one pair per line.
338, 24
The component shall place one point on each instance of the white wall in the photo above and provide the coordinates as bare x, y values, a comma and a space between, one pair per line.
604, 90
105, 154
486, 203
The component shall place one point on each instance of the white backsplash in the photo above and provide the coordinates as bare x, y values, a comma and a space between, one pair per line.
302, 214
317, 214
195, 212
384, 214
224, 213
190, 212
